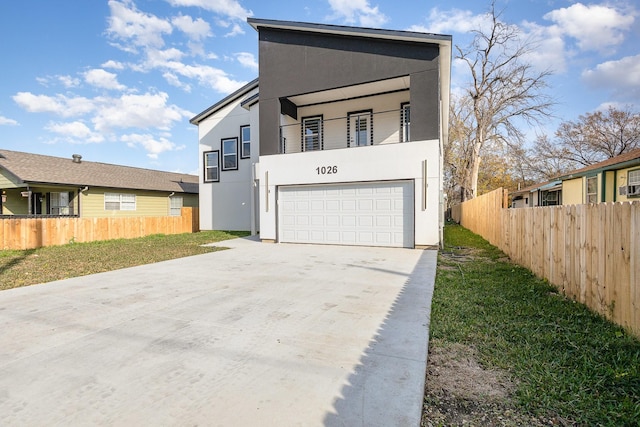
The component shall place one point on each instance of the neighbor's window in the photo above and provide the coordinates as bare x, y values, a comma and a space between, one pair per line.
229, 154
212, 166
312, 133
405, 122
119, 202
633, 183
59, 203
245, 145
175, 205
592, 189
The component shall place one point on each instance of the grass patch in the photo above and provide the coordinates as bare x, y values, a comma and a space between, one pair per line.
22, 268
567, 362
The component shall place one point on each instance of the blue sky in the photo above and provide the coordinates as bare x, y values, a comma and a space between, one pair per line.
117, 81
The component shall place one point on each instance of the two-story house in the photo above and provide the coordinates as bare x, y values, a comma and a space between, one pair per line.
338, 141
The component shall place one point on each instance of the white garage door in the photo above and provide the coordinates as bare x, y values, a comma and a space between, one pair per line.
366, 214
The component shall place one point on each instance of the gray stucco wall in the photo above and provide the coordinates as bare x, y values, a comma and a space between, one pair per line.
298, 62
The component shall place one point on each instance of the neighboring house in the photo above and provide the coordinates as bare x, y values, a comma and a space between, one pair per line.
339, 141
34, 184
545, 194
613, 180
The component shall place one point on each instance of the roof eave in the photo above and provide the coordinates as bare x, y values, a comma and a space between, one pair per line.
224, 102
256, 23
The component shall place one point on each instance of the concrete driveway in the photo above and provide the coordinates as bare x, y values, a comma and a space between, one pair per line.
261, 334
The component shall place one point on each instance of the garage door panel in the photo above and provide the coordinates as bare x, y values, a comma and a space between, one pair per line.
371, 214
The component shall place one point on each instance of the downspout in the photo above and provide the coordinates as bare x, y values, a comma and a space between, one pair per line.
252, 203
80, 194
28, 200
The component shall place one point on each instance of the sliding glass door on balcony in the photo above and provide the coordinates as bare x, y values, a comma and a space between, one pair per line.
360, 128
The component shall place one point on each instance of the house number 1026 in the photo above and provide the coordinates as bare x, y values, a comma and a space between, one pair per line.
327, 170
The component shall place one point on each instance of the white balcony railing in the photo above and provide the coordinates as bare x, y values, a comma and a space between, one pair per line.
355, 130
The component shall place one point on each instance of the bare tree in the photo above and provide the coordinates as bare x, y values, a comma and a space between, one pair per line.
546, 160
598, 136
504, 90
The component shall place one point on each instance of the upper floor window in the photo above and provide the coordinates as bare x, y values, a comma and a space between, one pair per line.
119, 202
229, 154
405, 122
245, 142
312, 133
592, 189
212, 166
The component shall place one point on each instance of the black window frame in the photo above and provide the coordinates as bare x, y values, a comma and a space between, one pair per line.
303, 145
206, 167
244, 155
368, 112
403, 122
222, 154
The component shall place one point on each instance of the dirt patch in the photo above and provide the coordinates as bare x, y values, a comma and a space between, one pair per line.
460, 392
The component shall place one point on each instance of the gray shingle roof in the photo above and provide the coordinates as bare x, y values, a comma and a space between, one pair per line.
41, 169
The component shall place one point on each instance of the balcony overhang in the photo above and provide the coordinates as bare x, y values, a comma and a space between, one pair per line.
349, 92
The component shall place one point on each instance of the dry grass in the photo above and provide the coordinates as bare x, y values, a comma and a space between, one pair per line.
22, 268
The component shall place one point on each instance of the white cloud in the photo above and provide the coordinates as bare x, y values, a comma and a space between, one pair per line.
129, 25
115, 65
595, 27
59, 104
195, 29
247, 59
153, 146
206, 76
358, 11
137, 111
454, 20
236, 30
621, 77
5, 121
549, 51
230, 8
173, 80
66, 81
103, 79
76, 130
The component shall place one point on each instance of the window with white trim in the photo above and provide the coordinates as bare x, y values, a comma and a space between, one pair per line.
175, 205
312, 133
212, 166
229, 154
119, 202
633, 183
592, 189
59, 203
245, 142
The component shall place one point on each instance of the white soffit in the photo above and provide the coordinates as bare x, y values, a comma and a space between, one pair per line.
355, 91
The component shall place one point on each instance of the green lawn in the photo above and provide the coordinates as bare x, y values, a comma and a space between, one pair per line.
566, 360
22, 268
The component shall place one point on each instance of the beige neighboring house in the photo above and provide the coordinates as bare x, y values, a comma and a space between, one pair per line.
35, 184
613, 180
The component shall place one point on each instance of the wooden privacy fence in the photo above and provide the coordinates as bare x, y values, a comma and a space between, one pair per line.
31, 233
591, 253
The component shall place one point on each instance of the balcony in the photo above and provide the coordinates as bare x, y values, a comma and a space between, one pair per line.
361, 128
